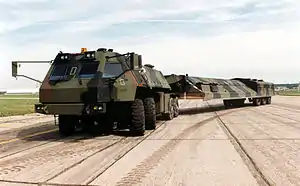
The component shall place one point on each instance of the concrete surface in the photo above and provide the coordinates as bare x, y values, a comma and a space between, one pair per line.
241, 146
16, 122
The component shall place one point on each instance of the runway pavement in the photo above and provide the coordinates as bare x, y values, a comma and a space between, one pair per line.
209, 145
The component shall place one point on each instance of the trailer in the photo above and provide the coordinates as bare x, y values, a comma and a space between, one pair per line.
102, 90
233, 91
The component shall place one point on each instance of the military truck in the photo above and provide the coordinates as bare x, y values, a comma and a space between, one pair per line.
103, 90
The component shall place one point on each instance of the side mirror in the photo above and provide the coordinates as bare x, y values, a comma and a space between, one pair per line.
135, 61
140, 63
14, 68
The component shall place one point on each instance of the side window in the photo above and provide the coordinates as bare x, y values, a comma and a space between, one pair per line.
59, 70
88, 70
112, 69
213, 88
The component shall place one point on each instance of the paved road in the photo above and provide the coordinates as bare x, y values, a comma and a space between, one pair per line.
242, 146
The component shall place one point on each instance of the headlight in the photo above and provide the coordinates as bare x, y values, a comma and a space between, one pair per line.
64, 57
90, 55
97, 108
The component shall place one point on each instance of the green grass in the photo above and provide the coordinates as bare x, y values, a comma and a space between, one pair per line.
10, 107
19, 96
289, 93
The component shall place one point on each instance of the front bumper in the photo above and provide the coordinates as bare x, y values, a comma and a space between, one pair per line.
70, 109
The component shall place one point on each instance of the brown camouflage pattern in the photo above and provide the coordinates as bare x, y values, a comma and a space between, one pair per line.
78, 91
215, 88
75, 92
124, 88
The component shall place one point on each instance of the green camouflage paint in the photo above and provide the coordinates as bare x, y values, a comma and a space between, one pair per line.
82, 80
215, 88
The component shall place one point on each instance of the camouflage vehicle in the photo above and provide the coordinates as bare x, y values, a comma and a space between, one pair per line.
234, 91
104, 89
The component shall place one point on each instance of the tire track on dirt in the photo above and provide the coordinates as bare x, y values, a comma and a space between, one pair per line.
250, 163
27, 132
287, 106
31, 127
126, 152
48, 156
22, 119
291, 109
41, 157
25, 141
26, 183
141, 170
270, 114
82, 160
272, 155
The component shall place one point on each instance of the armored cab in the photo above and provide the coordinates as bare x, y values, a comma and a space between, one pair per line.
103, 89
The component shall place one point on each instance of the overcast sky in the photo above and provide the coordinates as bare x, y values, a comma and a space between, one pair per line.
205, 38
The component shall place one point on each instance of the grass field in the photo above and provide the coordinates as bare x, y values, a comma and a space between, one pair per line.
17, 104
19, 96
289, 93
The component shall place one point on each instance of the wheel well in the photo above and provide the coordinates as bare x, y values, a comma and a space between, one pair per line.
142, 92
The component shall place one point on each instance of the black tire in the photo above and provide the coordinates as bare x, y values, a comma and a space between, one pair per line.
170, 115
150, 113
256, 101
269, 100
137, 126
263, 101
176, 108
66, 124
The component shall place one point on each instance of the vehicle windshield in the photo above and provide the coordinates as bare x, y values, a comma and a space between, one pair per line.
87, 70
112, 70
61, 72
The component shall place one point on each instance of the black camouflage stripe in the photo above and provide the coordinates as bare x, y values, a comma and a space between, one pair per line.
259, 90
234, 87
242, 88
227, 87
268, 89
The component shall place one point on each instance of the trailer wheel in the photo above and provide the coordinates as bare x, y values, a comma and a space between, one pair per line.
256, 101
66, 124
170, 115
269, 100
137, 126
150, 113
176, 107
263, 101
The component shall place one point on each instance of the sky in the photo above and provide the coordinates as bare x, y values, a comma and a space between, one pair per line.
204, 38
